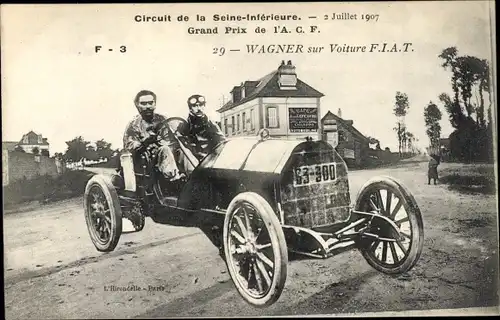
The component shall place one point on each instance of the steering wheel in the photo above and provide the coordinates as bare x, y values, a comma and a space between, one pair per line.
174, 123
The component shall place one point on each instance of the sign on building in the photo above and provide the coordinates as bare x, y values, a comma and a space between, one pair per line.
303, 119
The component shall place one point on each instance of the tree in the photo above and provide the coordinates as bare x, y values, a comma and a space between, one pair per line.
432, 116
449, 56
103, 149
400, 110
410, 142
76, 149
374, 141
469, 75
91, 153
35, 150
19, 149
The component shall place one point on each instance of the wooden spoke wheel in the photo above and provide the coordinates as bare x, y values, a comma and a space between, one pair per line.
255, 249
103, 213
388, 197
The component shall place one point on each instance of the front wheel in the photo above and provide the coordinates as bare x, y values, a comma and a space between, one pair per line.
255, 249
390, 198
103, 213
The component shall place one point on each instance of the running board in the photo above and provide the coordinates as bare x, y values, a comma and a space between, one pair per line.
330, 252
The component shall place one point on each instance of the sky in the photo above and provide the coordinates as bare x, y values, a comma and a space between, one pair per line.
54, 83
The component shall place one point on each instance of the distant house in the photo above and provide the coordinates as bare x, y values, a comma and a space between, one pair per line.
32, 140
280, 102
351, 144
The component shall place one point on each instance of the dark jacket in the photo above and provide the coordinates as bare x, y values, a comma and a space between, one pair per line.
202, 135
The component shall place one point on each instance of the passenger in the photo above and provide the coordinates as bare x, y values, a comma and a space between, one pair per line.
201, 133
141, 132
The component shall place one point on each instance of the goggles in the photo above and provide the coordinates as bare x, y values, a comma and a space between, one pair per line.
196, 100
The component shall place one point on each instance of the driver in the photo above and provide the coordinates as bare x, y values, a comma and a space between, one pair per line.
141, 132
202, 134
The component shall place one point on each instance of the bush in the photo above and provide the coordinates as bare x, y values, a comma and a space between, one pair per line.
47, 188
477, 178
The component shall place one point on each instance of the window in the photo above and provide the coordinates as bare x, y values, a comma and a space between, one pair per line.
272, 117
243, 121
232, 124
238, 123
225, 126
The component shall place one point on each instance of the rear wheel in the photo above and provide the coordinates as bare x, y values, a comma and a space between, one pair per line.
390, 198
103, 213
255, 249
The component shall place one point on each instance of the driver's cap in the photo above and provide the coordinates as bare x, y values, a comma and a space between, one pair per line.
196, 100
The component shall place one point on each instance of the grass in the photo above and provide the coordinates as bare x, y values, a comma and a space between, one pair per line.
45, 189
470, 178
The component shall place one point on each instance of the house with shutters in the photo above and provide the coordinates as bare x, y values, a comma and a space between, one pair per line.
279, 101
351, 144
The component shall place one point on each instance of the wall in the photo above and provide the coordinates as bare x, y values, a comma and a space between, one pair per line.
283, 105
5, 167
22, 164
252, 126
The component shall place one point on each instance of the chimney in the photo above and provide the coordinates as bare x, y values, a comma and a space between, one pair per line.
339, 113
236, 93
287, 77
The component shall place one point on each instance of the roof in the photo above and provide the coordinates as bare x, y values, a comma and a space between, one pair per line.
33, 139
345, 123
9, 145
268, 87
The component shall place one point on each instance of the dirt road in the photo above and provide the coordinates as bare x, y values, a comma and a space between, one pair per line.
53, 271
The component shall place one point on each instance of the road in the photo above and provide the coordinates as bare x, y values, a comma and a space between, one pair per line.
53, 271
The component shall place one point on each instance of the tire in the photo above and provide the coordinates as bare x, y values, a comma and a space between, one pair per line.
368, 247
269, 240
100, 186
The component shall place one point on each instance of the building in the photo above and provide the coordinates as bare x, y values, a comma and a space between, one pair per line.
281, 102
351, 144
32, 140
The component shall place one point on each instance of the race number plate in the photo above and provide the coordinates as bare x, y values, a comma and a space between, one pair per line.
314, 174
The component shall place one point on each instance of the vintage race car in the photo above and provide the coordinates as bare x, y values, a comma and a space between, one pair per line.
259, 199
